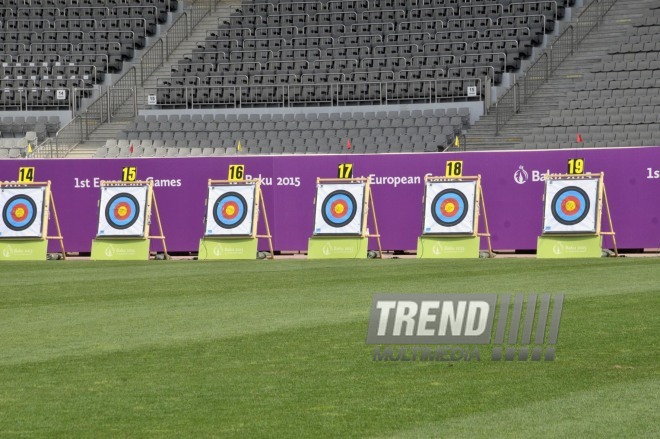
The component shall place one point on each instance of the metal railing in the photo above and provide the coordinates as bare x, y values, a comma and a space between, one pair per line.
200, 9
540, 71
152, 59
327, 94
175, 36
108, 106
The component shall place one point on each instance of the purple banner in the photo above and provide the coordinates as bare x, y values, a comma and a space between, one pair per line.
512, 186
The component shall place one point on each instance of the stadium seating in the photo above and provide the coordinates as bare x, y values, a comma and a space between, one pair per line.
617, 104
17, 147
289, 133
53, 49
281, 53
353, 52
339, 53
16, 127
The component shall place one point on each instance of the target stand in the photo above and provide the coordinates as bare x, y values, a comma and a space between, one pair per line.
342, 212
26, 209
232, 216
452, 207
572, 217
125, 214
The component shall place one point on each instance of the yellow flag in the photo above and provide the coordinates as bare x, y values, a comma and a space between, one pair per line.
457, 142
239, 146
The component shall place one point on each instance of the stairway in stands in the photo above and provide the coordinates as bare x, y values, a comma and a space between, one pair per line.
110, 130
613, 31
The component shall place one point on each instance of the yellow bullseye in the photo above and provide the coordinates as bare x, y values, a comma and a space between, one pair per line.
230, 210
122, 211
450, 207
20, 212
570, 205
339, 209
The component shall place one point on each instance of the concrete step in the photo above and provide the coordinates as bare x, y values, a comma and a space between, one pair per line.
99, 136
82, 152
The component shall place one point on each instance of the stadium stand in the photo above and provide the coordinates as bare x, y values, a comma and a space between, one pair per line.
605, 94
347, 52
289, 133
341, 54
55, 53
315, 63
63, 44
617, 103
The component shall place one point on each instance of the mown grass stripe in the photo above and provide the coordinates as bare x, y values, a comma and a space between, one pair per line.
277, 349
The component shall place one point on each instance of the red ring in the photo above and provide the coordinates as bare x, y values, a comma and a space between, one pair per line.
227, 215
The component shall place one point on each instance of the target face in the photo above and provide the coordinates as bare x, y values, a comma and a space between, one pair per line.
571, 206
122, 211
19, 212
22, 212
230, 210
339, 209
449, 207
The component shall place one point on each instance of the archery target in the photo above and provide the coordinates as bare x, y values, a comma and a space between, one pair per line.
449, 207
22, 212
122, 211
230, 210
339, 209
571, 206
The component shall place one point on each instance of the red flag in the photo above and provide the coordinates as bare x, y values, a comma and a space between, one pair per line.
131, 149
579, 138
348, 144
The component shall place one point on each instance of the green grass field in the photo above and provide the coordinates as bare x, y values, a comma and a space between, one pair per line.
277, 349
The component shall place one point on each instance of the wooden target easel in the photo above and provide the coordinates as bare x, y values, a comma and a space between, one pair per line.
239, 243
33, 248
367, 206
101, 243
599, 232
479, 210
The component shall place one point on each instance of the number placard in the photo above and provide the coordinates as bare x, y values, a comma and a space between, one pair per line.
128, 173
454, 168
345, 170
576, 166
236, 172
26, 175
